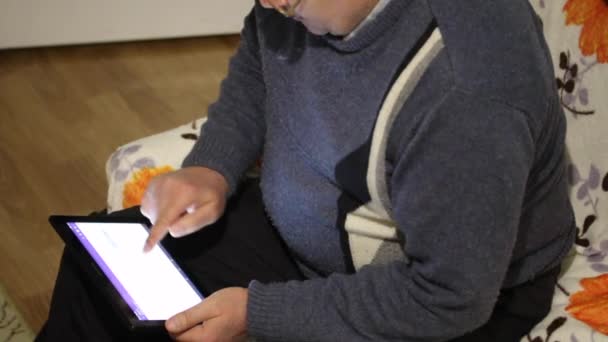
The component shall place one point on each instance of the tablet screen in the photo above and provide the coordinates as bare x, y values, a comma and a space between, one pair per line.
153, 286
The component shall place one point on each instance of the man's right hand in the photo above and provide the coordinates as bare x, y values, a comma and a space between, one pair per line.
183, 202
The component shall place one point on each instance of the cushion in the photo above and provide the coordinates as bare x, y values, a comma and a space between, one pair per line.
577, 34
130, 167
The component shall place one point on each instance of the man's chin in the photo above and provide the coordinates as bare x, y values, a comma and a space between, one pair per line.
317, 31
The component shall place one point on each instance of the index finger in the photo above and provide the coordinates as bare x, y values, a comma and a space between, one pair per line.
161, 227
157, 233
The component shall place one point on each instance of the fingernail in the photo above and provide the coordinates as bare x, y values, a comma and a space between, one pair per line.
171, 324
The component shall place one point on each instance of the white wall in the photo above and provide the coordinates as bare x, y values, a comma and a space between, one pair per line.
58, 22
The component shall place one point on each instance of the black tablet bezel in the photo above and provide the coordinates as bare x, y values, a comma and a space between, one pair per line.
88, 264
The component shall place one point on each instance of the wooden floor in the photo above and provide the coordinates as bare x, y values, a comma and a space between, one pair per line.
63, 110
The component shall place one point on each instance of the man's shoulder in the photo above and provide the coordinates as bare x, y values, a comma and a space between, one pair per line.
496, 48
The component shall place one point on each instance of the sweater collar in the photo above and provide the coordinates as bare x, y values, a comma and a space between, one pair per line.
369, 32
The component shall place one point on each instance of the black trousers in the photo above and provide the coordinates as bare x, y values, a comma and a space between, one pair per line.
240, 247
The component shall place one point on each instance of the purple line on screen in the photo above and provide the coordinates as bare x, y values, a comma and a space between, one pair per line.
106, 270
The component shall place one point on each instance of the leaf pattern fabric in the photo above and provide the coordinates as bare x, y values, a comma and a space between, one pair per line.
131, 166
590, 305
593, 16
134, 189
577, 34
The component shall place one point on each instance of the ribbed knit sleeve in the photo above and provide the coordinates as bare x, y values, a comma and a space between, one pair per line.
457, 190
233, 136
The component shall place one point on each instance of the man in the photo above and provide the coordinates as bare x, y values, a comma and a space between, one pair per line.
413, 168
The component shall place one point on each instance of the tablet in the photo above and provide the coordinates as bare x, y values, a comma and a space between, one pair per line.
145, 288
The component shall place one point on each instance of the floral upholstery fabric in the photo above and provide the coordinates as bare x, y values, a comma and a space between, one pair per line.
130, 167
577, 34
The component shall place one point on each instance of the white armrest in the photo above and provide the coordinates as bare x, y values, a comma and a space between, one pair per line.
130, 166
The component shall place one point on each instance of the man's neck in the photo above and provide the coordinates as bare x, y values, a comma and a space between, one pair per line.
371, 16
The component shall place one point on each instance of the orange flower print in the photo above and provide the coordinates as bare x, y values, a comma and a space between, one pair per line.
134, 189
593, 15
590, 305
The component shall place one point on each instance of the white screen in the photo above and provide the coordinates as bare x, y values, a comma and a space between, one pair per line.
150, 283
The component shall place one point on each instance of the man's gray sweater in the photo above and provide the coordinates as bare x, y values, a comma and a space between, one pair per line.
474, 166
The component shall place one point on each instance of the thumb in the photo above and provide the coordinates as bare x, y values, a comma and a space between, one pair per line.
195, 220
180, 322
189, 318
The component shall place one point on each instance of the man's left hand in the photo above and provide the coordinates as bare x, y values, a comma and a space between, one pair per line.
219, 317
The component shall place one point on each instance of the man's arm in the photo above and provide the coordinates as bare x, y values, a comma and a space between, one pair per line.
457, 191
232, 138
183, 201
